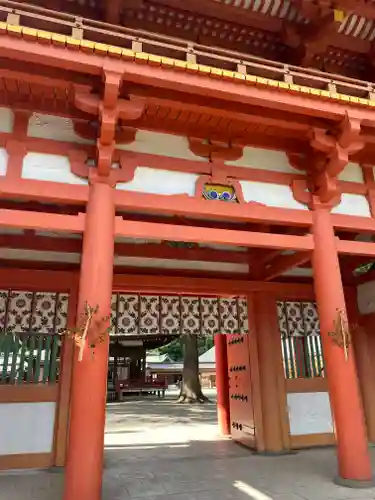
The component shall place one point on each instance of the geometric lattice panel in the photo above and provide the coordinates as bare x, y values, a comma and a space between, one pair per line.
149, 315
210, 315
229, 316
170, 315
41, 312
133, 315
190, 315
298, 319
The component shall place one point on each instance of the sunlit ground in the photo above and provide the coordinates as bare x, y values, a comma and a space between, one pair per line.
160, 450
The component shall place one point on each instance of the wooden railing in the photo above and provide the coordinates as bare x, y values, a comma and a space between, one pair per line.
18, 13
29, 358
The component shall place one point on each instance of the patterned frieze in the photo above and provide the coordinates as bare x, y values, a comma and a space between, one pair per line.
175, 315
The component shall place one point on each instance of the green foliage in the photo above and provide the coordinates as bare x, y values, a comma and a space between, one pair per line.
364, 268
204, 344
175, 348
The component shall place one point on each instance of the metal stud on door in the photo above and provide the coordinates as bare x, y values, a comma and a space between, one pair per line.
240, 397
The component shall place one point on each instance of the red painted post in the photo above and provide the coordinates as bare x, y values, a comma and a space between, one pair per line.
84, 467
222, 384
352, 445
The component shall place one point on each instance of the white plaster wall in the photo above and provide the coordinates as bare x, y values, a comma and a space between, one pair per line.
155, 181
53, 127
366, 297
264, 159
3, 161
273, 195
46, 167
309, 413
352, 173
6, 120
353, 204
37, 255
173, 146
26, 427
305, 272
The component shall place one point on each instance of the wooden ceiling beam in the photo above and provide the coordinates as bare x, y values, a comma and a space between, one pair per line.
163, 251
26, 51
227, 13
283, 263
312, 39
155, 231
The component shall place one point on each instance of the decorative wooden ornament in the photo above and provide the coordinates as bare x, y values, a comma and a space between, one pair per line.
341, 335
87, 324
219, 192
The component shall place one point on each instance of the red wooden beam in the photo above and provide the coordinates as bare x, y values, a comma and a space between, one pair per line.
42, 221
184, 206
38, 280
283, 263
43, 191
22, 50
356, 248
147, 250
353, 223
206, 286
155, 231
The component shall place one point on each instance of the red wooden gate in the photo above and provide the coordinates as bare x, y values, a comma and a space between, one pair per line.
240, 393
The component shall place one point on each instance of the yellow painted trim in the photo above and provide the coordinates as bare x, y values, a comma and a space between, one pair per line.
144, 58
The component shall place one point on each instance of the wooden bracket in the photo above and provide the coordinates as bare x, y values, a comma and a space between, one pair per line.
125, 173
215, 150
329, 155
108, 109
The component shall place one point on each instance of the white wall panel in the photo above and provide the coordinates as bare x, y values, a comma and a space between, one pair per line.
353, 204
352, 173
272, 195
173, 146
3, 161
264, 159
6, 120
46, 167
155, 181
309, 413
53, 127
26, 428
366, 297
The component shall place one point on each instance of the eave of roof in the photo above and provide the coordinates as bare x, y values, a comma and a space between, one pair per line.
111, 51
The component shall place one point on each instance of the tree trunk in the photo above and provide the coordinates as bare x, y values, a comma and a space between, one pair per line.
191, 391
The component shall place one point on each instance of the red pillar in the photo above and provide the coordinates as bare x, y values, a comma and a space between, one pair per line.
354, 465
222, 384
84, 467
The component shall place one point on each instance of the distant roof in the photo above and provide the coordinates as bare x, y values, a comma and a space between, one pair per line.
157, 358
208, 356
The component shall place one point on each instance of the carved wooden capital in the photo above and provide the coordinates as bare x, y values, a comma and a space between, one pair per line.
78, 159
16, 148
303, 193
108, 110
131, 108
124, 173
214, 150
112, 85
104, 160
331, 150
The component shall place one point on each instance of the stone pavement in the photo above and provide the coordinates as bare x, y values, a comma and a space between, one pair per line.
158, 450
